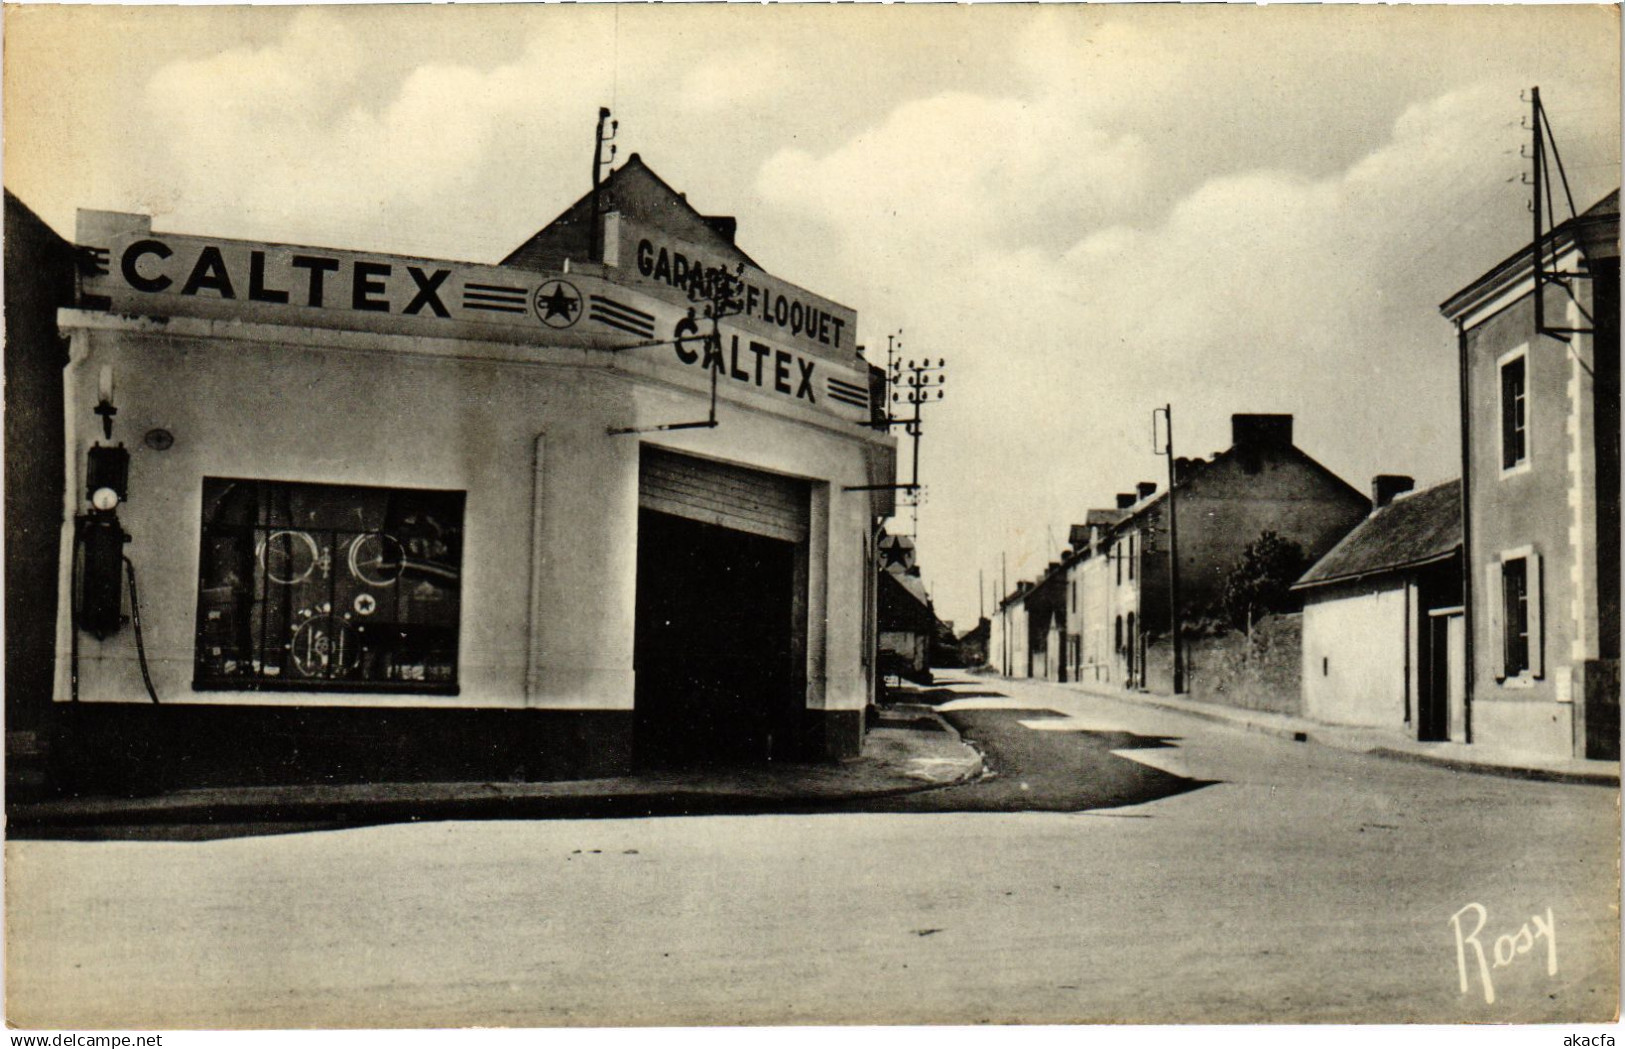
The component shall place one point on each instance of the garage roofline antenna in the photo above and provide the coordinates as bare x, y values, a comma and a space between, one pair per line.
595, 233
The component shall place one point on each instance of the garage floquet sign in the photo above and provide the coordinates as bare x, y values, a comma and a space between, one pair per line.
128, 268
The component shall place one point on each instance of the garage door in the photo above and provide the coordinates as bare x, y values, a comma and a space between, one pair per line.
722, 494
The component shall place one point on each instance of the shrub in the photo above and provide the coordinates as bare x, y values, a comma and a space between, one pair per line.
1261, 581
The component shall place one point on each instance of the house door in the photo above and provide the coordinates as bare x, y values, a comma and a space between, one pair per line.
1131, 648
1456, 647
1441, 709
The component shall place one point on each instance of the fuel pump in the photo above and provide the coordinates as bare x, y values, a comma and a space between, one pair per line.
100, 592
100, 568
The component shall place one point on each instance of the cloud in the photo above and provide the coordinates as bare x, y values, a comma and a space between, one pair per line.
1258, 289
739, 78
957, 169
305, 139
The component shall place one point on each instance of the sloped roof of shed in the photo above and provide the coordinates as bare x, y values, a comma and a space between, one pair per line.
1411, 531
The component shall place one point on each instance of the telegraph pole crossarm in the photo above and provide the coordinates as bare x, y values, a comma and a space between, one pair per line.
913, 383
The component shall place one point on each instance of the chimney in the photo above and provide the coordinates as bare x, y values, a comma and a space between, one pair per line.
1125, 500
1385, 486
1146, 489
724, 226
1261, 431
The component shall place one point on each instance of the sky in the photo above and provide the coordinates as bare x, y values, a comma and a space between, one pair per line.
1088, 212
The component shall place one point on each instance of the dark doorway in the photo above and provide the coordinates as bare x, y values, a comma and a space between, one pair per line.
1130, 677
1440, 656
715, 645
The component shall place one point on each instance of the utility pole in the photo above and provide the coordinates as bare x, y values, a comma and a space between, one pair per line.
1539, 164
920, 379
1174, 626
595, 236
1004, 614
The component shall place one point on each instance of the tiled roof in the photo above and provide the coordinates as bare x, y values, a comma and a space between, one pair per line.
911, 585
1413, 530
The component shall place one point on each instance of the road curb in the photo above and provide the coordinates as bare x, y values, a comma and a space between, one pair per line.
1322, 736
1591, 779
433, 802
977, 771
1233, 718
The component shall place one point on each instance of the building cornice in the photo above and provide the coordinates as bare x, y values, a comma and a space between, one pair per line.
635, 365
1572, 244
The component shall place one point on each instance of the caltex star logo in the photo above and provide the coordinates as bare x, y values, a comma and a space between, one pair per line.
893, 552
557, 303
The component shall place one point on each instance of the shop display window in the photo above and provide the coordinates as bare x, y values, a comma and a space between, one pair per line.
328, 588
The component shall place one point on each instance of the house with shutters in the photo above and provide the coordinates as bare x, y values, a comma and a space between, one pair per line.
1538, 346
1090, 597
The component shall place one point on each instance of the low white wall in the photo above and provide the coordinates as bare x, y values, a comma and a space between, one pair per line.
1354, 646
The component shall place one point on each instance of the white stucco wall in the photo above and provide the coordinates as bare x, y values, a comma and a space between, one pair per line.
550, 528
1354, 655
1018, 640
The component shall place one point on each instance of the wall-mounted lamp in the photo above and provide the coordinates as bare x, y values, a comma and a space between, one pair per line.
104, 403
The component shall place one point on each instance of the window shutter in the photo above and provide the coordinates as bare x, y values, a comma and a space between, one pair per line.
1536, 605
1509, 416
1494, 599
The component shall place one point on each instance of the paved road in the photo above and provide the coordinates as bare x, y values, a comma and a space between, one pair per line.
1241, 878
1039, 759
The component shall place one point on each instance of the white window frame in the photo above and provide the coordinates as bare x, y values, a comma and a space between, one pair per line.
1525, 464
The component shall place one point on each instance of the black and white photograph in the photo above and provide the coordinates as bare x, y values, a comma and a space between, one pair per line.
713, 516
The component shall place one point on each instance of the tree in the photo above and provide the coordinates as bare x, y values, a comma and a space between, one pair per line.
1261, 580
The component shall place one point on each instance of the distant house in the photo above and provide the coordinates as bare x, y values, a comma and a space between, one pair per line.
1091, 644
906, 627
906, 621
1009, 639
1030, 628
973, 644
1541, 471
1121, 617
1383, 631
1046, 623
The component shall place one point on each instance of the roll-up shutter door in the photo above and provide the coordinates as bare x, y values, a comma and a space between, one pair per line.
722, 494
